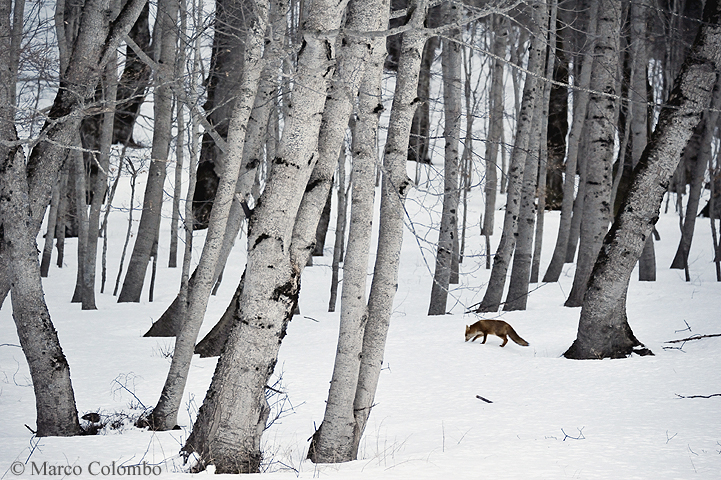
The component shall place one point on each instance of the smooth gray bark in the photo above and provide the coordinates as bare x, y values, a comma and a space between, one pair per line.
394, 190
231, 421
334, 440
531, 93
49, 369
451, 61
580, 105
164, 415
495, 123
639, 130
517, 297
149, 227
603, 331
602, 120
703, 157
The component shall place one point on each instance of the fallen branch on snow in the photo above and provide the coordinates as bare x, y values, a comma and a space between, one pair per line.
694, 337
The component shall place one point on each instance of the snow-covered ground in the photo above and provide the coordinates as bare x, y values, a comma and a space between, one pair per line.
549, 417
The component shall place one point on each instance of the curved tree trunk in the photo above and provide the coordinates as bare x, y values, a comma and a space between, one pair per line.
228, 430
603, 331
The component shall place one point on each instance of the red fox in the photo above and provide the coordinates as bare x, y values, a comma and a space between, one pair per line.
498, 328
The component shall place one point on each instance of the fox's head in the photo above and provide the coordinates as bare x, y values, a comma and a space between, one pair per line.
468, 333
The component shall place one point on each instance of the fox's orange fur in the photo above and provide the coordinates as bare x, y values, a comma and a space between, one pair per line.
498, 328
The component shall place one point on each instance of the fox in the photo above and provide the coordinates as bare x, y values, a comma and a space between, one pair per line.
498, 328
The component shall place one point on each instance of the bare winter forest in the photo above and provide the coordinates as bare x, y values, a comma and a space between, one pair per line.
269, 126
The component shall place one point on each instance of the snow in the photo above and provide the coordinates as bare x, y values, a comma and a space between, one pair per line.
549, 417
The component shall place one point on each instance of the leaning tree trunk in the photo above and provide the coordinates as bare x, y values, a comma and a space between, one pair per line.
394, 190
603, 331
703, 157
149, 227
452, 94
531, 93
49, 370
228, 430
602, 118
165, 414
333, 441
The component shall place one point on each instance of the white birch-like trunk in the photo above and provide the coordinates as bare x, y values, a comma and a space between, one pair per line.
517, 297
531, 93
394, 190
231, 421
495, 122
580, 105
602, 119
451, 60
334, 440
164, 416
49, 369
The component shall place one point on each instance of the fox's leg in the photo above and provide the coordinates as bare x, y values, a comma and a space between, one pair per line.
505, 340
484, 337
474, 338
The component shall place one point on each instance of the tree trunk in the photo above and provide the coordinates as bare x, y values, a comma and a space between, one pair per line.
546, 144
602, 118
230, 423
339, 246
133, 83
50, 232
165, 414
333, 441
639, 118
49, 369
495, 122
418, 141
603, 331
580, 103
50, 372
394, 190
149, 227
701, 162
452, 105
531, 93
169, 322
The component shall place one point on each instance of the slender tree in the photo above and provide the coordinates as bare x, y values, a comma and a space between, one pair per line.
230, 423
451, 60
602, 118
531, 93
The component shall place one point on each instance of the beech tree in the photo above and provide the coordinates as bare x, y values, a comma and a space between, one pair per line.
27, 189
601, 127
603, 329
531, 94
230, 423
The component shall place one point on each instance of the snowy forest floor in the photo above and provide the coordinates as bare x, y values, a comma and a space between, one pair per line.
549, 417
